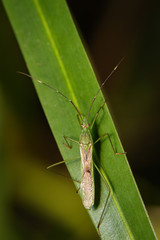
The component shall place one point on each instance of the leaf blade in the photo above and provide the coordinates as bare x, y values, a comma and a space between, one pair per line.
45, 42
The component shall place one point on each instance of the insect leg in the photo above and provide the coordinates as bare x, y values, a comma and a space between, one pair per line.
79, 119
64, 161
109, 189
78, 188
107, 134
71, 139
97, 114
67, 145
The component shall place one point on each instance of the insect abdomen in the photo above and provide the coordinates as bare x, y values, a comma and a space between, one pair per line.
87, 189
87, 184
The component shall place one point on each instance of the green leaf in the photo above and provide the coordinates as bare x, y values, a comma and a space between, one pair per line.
55, 55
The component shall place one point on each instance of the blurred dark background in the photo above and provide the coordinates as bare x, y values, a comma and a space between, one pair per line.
31, 202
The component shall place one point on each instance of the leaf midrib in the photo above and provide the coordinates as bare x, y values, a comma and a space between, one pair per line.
55, 50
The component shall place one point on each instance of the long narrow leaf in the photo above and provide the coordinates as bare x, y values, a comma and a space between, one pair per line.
54, 54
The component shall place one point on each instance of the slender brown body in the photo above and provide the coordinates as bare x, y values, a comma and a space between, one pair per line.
87, 184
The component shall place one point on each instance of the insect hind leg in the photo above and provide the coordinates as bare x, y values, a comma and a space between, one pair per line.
104, 208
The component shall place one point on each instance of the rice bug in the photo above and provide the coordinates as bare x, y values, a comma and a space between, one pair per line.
86, 144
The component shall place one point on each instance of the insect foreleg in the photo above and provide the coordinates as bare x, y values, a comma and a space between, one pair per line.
79, 119
97, 114
107, 134
67, 143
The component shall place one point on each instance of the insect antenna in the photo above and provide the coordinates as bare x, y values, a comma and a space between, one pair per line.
55, 90
103, 85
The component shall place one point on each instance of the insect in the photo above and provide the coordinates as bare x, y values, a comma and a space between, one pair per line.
87, 184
